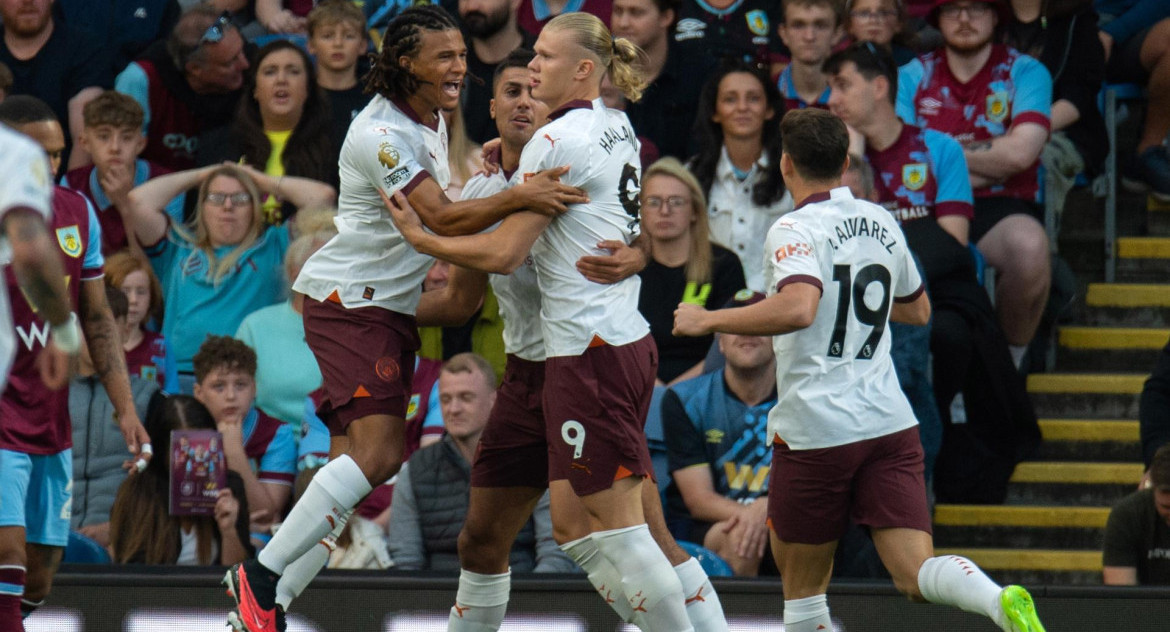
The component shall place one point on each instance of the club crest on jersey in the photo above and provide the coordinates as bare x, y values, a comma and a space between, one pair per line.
914, 175
757, 22
997, 107
70, 240
388, 156
412, 407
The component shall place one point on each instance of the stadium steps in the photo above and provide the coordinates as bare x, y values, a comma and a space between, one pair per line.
1127, 305
1019, 526
1087, 395
1110, 348
1089, 440
1072, 482
1143, 259
1034, 566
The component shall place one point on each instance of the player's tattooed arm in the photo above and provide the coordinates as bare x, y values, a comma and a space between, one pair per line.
109, 361
36, 264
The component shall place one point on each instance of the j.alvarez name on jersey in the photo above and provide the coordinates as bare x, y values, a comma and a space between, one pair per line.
859, 226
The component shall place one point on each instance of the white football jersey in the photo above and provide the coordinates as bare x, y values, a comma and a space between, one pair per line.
368, 263
601, 150
517, 294
26, 184
835, 380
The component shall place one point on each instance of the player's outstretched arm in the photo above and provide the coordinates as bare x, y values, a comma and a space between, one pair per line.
500, 251
916, 312
543, 193
793, 308
456, 303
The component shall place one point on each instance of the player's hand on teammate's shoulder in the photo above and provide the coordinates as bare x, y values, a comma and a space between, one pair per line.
544, 192
690, 320
490, 156
621, 263
403, 215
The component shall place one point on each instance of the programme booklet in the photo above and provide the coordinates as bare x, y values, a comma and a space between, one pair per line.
198, 471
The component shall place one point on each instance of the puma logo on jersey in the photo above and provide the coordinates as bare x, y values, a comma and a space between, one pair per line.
551, 141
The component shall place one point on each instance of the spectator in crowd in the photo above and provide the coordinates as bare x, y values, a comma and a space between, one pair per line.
684, 266
1137, 534
286, 371
922, 180
282, 126
147, 353
186, 85
672, 93
532, 15
491, 33
1154, 408
99, 451
112, 136
337, 39
716, 436
123, 29
35, 433
6, 80
730, 30
1136, 38
1063, 36
810, 30
142, 531
738, 127
481, 334
61, 64
431, 495
882, 22
463, 154
288, 17
996, 102
227, 262
258, 447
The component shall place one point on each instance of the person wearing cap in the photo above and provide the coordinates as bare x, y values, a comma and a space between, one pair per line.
716, 439
997, 103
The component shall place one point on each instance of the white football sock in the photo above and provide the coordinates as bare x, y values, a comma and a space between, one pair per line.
480, 603
296, 576
702, 602
604, 577
653, 589
810, 614
957, 581
337, 488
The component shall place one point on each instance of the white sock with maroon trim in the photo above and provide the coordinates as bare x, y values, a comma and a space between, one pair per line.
810, 614
604, 577
296, 576
957, 581
480, 602
648, 580
703, 607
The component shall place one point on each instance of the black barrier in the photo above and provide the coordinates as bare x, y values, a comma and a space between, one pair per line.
142, 599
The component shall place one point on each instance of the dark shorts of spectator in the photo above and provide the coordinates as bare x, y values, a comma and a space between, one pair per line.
595, 407
877, 483
366, 355
1125, 61
989, 211
513, 451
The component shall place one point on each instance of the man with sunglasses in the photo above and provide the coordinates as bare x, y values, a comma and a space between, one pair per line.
997, 103
58, 63
187, 84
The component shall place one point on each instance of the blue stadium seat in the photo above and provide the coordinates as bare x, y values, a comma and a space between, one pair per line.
82, 550
714, 565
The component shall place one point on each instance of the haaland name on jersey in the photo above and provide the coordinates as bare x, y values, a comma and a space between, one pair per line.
612, 136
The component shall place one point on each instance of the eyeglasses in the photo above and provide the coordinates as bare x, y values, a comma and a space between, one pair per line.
873, 16
675, 202
214, 33
223, 199
975, 10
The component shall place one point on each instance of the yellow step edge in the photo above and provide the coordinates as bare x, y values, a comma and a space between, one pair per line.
1128, 295
1143, 247
1113, 337
1078, 473
1089, 430
1116, 383
1029, 559
1020, 516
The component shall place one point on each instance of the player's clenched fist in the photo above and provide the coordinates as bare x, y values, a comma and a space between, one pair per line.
690, 320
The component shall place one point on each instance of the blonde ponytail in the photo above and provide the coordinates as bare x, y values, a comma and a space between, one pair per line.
620, 57
626, 69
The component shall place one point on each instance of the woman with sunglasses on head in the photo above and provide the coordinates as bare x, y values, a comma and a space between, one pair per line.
684, 266
282, 125
224, 264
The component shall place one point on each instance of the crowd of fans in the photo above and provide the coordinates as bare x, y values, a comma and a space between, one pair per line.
204, 138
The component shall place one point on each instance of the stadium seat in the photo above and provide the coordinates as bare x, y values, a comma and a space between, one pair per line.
1111, 93
83, 550
714, 565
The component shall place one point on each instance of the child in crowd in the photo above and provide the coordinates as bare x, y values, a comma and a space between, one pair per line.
337, 39
112, 134
147, 353
260, 448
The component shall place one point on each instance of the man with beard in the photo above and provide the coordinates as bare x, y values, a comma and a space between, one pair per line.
59, 64
996, 102
491, 33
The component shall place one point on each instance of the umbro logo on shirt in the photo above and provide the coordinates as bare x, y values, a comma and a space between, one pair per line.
688, 29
